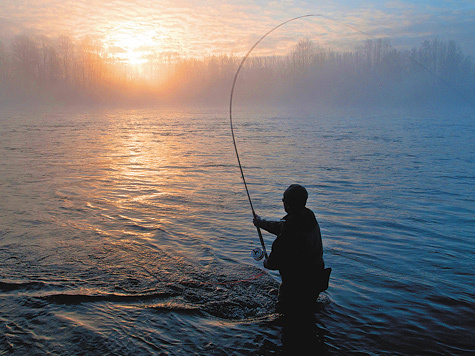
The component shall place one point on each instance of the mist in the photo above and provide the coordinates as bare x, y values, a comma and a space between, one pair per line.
50, 71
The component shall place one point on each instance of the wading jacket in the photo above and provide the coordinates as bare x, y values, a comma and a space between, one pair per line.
297, 251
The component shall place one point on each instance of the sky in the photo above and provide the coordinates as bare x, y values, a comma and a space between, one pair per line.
131, 29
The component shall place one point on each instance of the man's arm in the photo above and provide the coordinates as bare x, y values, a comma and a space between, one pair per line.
274, 227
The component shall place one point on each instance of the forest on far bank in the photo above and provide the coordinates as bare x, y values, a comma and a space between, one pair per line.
41, 70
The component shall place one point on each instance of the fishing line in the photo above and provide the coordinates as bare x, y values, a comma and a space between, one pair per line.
256, 254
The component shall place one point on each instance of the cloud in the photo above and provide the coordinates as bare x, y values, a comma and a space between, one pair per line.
231, 26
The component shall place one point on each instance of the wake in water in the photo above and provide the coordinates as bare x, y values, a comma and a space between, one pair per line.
129, 272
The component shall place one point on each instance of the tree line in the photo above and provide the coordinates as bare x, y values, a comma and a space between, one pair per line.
62, 70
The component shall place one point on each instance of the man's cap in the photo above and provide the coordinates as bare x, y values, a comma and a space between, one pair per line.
296, 195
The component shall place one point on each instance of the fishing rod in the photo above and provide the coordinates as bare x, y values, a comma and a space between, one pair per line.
257, 253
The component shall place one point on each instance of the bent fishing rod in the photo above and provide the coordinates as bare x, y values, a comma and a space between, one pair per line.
257, 255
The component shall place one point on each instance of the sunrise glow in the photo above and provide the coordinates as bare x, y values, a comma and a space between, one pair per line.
132, 30
133, 44
184, 50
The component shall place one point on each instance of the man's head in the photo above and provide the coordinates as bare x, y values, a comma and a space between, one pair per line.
295, 198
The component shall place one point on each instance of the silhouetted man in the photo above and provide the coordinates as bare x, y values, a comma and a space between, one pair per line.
297, 253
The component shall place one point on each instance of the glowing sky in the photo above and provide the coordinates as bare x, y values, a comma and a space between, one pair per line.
133, 28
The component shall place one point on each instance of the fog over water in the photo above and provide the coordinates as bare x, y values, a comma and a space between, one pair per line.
64, 71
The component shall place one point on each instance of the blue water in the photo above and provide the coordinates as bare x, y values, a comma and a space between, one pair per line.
128, 232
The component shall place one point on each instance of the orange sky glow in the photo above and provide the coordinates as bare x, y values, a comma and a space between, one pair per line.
133, 30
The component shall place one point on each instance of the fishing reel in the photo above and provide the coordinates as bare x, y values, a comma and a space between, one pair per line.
257, 254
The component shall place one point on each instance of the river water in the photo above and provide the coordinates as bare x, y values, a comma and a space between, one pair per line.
128, 232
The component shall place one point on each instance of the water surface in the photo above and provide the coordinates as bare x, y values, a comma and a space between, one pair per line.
129, 232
